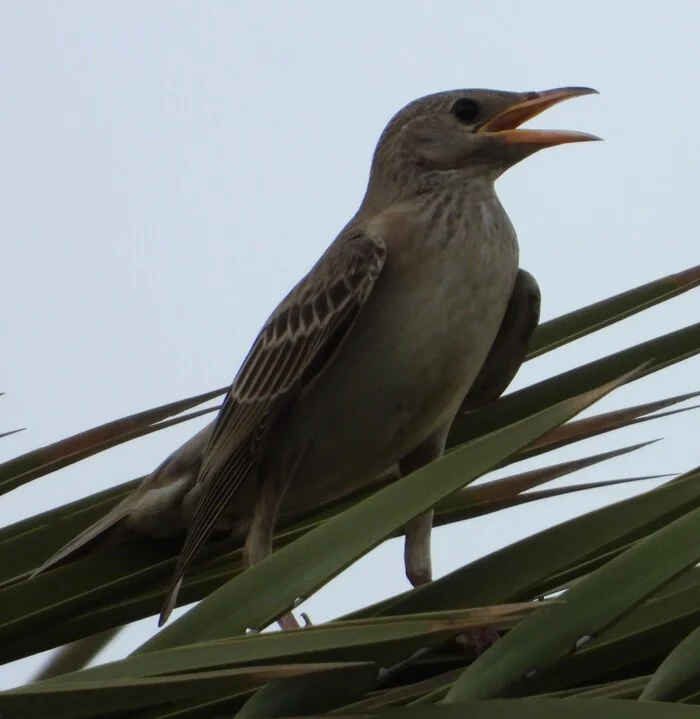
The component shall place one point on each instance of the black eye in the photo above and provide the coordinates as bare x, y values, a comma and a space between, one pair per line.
465, 110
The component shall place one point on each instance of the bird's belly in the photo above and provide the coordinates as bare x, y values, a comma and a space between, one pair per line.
404, 370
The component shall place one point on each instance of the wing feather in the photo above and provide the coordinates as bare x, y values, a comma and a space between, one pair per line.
293, 347
510, 345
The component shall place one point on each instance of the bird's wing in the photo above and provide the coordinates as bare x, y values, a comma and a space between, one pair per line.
295, 344
510, 346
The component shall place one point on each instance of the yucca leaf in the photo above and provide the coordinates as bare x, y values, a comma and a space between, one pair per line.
20, 470
579, 323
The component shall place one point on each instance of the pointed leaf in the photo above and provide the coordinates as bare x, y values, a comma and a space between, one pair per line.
75, 656
581, 322
530, 566
539, 709
83, 700
461, 513
657, 353
39, 462
508, 487
589, 606
382, 640
600, 423
679, 673
310, 693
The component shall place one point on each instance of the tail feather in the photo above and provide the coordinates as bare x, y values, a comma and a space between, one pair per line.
89, 535
170, 602
154, 509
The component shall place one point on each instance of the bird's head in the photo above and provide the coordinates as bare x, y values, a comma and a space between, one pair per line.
470, 132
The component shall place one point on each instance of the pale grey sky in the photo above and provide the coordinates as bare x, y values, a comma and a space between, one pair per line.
170, 169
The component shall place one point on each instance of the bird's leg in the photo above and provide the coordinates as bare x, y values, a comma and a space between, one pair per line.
417, 556
258, 543
502, 363
510, 346
417, 544
416, 551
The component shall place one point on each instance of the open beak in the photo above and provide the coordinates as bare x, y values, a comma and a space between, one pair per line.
506, 124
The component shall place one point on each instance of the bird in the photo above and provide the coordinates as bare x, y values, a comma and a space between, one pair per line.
417, 311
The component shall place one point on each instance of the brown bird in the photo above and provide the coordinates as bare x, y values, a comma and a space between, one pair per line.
416, 310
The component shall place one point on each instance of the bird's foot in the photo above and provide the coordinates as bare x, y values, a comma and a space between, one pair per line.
288, 621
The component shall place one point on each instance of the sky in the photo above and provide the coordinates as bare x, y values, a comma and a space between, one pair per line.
170, 169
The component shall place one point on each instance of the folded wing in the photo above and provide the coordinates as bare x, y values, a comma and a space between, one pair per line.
295, 344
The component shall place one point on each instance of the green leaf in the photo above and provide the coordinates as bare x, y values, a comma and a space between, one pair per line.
588, 607
679, 673
467, 511
401, 695
581, 322
657, 353
81, 700
508, 487
381, 641
508, 491
20, 470
75, 656
540, 709
624, 689
530, 566
638, 641
48, 520
600, 423
311, 693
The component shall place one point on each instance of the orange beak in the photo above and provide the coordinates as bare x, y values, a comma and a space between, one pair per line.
506, 124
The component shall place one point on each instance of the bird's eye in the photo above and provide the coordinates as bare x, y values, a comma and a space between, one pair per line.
465, 110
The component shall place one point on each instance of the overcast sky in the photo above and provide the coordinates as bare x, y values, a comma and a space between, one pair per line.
170, 169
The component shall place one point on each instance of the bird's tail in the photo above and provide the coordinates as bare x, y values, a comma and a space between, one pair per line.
90, 535
155, 509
